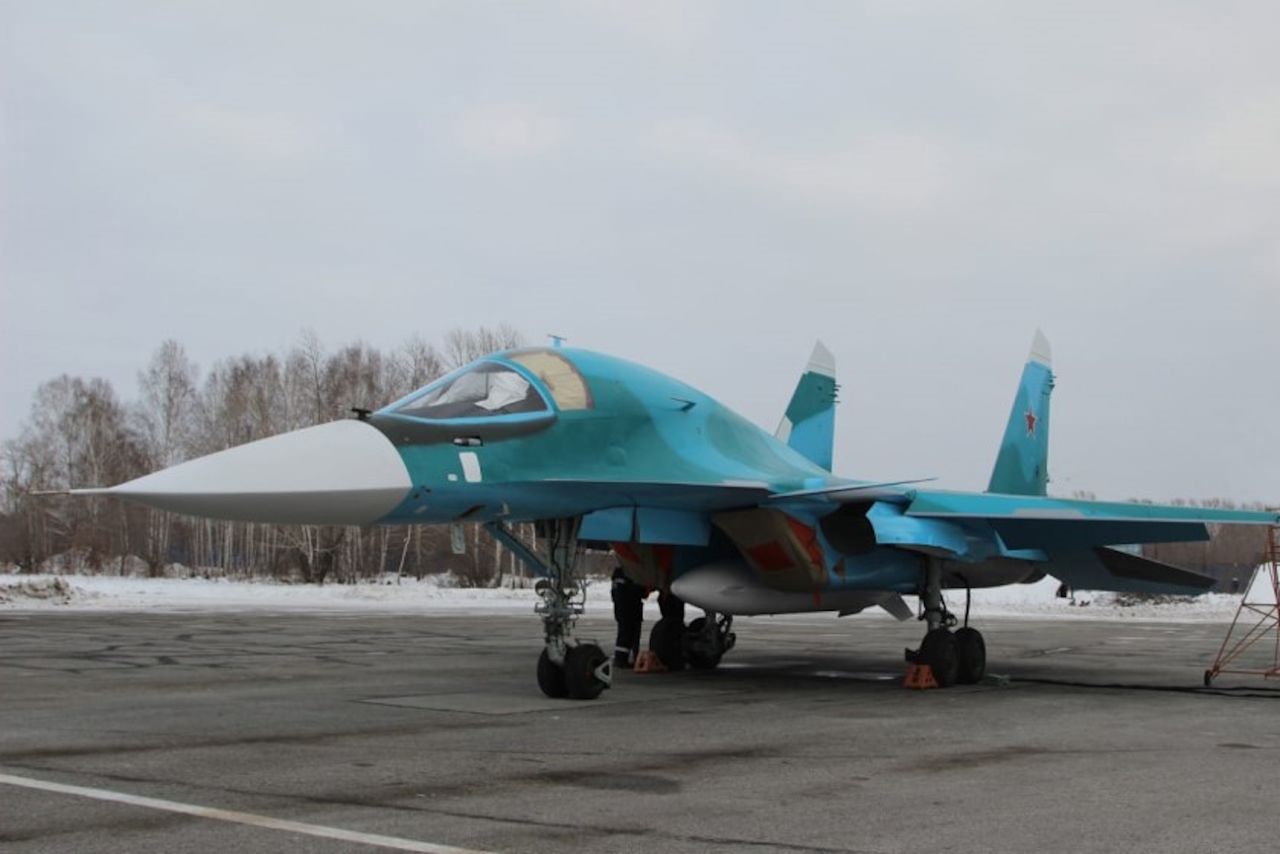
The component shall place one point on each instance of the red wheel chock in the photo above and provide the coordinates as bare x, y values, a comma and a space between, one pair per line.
920, 677
648, 662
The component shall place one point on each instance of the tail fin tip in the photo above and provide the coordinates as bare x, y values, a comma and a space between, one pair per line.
808, 425
822, 361
1041, 352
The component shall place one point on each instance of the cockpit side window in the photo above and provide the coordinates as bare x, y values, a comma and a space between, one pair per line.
567, 387
487, 389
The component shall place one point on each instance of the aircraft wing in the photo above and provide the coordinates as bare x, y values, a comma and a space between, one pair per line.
852, 492
1028, 521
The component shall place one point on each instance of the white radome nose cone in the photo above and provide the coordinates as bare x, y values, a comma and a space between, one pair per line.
341, 473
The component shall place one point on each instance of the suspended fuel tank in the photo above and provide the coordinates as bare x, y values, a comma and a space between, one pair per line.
732, 587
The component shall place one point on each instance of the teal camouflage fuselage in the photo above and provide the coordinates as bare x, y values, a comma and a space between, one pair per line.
672, 479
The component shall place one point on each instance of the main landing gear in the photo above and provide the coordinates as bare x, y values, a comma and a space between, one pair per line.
567, 667
699, 645
958, 657
707, 639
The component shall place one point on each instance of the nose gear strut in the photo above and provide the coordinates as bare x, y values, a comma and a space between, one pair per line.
567, 667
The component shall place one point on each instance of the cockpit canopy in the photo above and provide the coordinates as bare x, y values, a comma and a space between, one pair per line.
486, 389
491, 388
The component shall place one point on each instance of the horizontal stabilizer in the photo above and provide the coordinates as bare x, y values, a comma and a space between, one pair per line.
1113, 569
1036, 522
1036, 534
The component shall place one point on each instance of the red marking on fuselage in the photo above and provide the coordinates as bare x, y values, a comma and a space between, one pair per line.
1031, 423
808, 538
658, 556
770, 556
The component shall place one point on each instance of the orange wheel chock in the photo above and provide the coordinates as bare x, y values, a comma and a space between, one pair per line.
648, 662
920, 677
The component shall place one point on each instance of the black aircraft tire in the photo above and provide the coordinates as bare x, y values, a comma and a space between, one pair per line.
551, 678
695, 651
667, 641
580, 664
971, 650
939, 652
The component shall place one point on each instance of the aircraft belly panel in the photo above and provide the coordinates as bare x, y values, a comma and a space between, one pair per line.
611, 524
675, 527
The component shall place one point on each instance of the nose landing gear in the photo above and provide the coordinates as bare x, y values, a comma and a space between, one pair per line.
567, 667
582, 670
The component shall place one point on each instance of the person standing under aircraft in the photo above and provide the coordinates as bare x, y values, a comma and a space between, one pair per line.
628, 612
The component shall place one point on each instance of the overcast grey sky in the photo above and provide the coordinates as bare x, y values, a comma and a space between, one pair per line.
704, 187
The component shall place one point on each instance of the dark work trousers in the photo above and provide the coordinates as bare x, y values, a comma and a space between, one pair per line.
628, 612
672, 607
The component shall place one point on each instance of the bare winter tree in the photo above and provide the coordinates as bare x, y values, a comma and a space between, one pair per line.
78, 435
166, 412
166, 407
30, 466
355, 376
414, 364
466, 345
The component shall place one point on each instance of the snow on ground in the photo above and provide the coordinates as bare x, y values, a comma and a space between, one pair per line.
114, 593
436, 595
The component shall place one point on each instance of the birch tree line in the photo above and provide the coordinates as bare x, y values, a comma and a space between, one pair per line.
80, 432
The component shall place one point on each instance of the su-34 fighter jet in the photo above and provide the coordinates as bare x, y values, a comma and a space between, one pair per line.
693, 499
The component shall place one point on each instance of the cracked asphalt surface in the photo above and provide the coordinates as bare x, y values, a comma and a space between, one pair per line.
432, 729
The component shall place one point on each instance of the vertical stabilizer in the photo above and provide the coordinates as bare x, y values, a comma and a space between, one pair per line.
809, 424
1022, 466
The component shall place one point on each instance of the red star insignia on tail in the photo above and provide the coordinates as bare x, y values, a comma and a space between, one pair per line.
1031, 423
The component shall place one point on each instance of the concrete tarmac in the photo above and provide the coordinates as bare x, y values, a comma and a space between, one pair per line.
432, 731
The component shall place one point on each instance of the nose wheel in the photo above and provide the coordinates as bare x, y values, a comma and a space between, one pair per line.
551, 677
588, 670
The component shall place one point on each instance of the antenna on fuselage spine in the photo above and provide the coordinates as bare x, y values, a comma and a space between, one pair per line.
557, 341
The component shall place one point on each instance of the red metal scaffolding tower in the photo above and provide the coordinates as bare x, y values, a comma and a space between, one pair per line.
1266, 622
